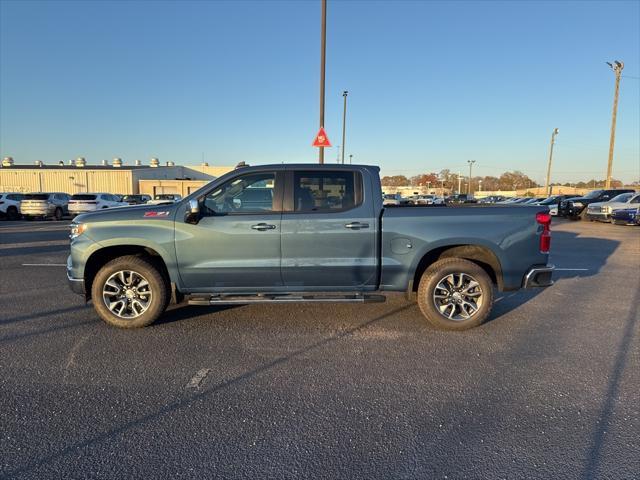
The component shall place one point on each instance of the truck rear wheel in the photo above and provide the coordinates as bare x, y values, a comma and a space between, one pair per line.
455, 294
130, 292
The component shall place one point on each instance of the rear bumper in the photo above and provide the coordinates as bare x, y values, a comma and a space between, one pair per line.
539, 277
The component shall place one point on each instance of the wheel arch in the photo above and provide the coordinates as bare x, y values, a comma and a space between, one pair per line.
102, 256
481, 255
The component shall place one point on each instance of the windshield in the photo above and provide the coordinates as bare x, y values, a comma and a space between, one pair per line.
165, 197
593, 194
132, 197
84, 196
389, 196
622, 198
36, 196
549, 201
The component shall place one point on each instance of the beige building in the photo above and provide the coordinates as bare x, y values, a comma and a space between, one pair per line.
117, 178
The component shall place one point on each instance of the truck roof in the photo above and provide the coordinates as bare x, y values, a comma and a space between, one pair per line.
309, 166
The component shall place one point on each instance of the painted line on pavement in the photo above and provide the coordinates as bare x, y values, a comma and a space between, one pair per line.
572, 269
198, 378
44, 264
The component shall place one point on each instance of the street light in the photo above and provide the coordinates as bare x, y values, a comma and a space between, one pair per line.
344, 122
553, 141
617, 69
350, 159
470, 162
323, 51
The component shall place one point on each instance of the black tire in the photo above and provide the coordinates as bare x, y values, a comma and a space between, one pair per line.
160, 294
12, 213
57, 215
435, 275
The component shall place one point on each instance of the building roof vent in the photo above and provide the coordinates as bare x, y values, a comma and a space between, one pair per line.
204, 164
7, 161
38, 163
138, 163
105, 163
154, 162
171, 164
117, 162
61, 163
80, 162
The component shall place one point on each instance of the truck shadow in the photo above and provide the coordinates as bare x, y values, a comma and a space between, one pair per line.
582, 257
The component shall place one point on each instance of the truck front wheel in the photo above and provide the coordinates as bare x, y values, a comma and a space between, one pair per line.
455, 294
129, 292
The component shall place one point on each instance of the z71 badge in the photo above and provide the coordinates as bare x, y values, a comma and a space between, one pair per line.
156, 214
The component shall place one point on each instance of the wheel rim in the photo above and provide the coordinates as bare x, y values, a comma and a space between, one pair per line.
458, 296
127, 294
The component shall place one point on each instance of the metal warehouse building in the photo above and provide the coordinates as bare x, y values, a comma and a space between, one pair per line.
118, 178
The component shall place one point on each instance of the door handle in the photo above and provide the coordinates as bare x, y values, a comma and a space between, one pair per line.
356, 225
263, 226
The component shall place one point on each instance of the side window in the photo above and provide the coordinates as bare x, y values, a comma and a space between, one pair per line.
252, 193
318, 191
635, 199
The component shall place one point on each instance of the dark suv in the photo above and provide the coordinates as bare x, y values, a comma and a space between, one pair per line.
577, 207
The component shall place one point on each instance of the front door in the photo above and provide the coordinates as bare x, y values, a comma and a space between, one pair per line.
235, 245
328, 234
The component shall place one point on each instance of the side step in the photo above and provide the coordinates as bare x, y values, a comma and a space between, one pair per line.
234, 299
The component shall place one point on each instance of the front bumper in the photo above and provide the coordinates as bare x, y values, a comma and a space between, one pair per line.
75, 284
539, 277
599, 216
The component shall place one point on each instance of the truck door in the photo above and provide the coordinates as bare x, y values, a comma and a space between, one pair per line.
328, 231
236, 243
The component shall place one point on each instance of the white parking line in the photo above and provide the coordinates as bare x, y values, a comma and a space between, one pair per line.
44, 264
198, 378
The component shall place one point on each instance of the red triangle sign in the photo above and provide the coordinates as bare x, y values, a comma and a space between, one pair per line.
321, 139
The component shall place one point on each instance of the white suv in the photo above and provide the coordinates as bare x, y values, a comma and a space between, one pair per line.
89, 202
10, 205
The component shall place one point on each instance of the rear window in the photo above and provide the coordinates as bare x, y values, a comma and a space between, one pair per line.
83, 197
36, 196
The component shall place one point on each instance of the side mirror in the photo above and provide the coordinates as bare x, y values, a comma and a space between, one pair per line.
193, 212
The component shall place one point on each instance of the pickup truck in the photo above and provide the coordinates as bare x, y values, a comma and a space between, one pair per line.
304, 233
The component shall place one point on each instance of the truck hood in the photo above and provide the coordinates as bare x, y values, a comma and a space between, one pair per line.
131, 212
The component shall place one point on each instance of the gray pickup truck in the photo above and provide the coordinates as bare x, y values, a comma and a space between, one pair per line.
304, 233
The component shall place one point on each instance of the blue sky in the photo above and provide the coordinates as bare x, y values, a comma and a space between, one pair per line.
432, 84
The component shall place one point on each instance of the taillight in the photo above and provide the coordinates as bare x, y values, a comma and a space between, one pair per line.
544, 219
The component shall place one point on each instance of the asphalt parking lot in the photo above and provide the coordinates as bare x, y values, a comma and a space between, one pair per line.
549, 388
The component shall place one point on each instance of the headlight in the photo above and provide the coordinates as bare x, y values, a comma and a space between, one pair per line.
577, 204
77, 229
606, 209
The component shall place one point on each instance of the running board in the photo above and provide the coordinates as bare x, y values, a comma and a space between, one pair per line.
200, 299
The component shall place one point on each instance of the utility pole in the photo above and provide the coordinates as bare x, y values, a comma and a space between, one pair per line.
459, 182
470, 162
323, 50
617, 69
553, 141
344, 122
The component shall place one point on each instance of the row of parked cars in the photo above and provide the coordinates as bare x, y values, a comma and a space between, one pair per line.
57, 205
619, 206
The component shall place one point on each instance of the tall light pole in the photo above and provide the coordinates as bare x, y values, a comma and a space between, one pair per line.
350, 159
323, 51
553, 141
470, 162
459, 182
344, 122
617, 69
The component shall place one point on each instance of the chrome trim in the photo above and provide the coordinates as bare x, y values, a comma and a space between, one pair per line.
530, 278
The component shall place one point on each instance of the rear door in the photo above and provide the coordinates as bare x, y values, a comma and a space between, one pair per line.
328, 231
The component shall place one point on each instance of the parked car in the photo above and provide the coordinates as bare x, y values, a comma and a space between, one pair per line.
88, 202
576, 208
460, 198
161, 198
492, 199
297, 246
626, 216
136, 199
45, 205
391, 199
601, 211
10, 205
